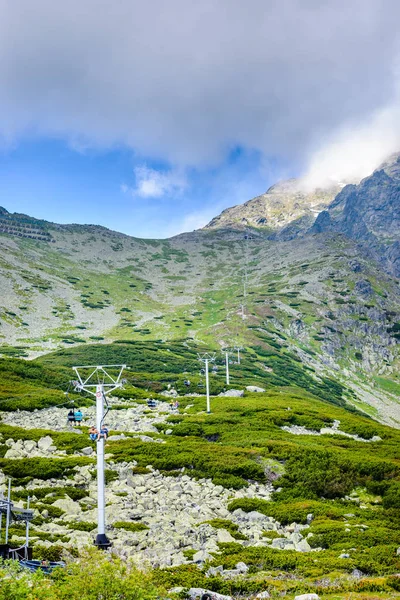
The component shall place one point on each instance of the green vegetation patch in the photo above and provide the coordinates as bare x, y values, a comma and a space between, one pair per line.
130, 526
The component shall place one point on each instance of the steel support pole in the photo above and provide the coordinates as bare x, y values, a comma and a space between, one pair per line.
227, 367
101, 539
8, 509
1, 516
238, 356
27, 529
207, 387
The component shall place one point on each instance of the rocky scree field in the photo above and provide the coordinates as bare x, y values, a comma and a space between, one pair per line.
276, 491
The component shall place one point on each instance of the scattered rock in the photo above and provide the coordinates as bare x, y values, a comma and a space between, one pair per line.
68, 506
307, 597
194, 593
254, 388
45, 443
357, 573
263, 595
87, 451
223, 536
303, 546
213, 571
172, 393
364, 287
242, 567
202, 556
232, 394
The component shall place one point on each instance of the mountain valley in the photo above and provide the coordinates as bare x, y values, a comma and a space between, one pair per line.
292, 483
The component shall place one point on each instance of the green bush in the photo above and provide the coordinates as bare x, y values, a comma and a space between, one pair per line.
391, 499
41, 468
233, 528
129, 526
184, 429
82, 526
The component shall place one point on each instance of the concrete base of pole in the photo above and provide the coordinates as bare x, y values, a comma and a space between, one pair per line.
102, 541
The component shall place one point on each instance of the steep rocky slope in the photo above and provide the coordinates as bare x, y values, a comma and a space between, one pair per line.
370, 214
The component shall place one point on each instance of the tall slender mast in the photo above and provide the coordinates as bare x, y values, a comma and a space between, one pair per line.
104, 383
8, 516
206, 358
207, 386
227, 366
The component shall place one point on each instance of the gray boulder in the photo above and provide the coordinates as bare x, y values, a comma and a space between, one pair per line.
29, 445
232, 394
242, 567
201, 556
223, 536
45, 443
194, 593
307, 597
213, 571
87, 451
303, 546
357, 573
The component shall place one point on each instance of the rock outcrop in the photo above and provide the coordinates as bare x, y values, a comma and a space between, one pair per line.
370, 214
286, 206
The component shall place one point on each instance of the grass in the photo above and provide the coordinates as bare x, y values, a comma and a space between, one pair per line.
388, 385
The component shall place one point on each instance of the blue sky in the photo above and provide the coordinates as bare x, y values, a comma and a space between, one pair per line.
48, 179
152, 117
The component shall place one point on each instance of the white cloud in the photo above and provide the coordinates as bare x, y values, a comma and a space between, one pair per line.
356, 149
186, 81
151, 183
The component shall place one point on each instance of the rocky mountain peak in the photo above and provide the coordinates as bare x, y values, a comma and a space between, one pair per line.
282, 204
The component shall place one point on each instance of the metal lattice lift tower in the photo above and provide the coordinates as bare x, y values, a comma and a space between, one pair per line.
98, 382
206, 358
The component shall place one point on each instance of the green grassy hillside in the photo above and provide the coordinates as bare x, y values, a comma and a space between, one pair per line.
317, 299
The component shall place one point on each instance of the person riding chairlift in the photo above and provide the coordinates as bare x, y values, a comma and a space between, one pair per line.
78, 417
93, 433
103, 433
71, 417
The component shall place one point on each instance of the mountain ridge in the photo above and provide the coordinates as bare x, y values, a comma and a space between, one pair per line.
282, 204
